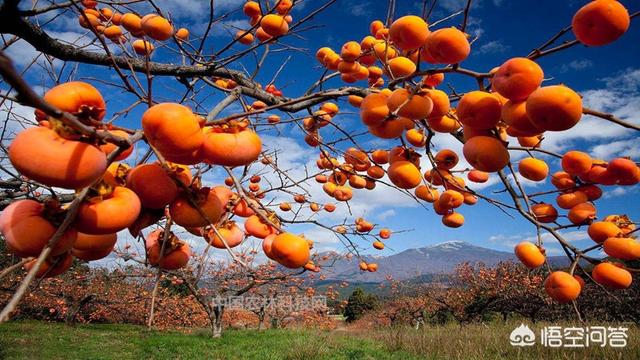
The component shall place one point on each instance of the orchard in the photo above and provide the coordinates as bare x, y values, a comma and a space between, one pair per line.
148, 132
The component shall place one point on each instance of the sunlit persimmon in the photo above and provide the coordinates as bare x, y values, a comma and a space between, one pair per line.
622, 248
554, 108
611, 276
93, 247
40, 154
447, 46
477, 176
206, 209
228, 231
404, 174
274, 25
486, 153
600, 22
530, 254
26, 231
517, 78
582, 213
231, 146
544, 213
257, 227
176, 253
156, 27
290, 251
562, 287
109, 213
479, 109
446, 159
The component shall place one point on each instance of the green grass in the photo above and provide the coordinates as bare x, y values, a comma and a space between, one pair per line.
40, 340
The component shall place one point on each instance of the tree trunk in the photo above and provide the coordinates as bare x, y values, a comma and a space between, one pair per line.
71, 314
216, 321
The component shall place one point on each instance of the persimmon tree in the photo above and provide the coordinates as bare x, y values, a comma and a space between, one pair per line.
71, 186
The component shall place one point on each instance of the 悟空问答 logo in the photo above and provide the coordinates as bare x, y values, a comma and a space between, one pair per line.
522, 336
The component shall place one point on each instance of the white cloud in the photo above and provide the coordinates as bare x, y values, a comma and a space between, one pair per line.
492, 47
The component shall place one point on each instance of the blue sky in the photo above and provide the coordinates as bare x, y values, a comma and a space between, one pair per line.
607, 77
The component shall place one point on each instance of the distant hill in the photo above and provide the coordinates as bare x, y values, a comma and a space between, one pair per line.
422, 263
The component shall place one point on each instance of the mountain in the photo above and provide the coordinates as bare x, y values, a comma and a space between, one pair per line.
425, 262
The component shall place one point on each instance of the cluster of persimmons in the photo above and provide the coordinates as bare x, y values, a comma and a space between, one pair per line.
516, 104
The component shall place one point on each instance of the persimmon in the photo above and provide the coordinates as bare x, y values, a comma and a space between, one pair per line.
576, 163
426, 193
554, 108
478, 176
182, 34
132, 23
357, 182
185, 214
52, 266
284, 6
440, 100
479, 109
375, 172
357, 158
400, 67
56, 161
142, 47
562, 180
544, 213
530, 254
350, 51
378, 245
433, 80
329, 207
593, 192
404, 174
533, 169
26, 231
582, 213
89, 20
384, 51
447, 46
110, 147
176, 252
274, 25
267, 243
514, 114
232, 146
174, 130
244, 37
257, 227
372, 267
611, 276
517, 78
530, 141
76, 97
109, 213
443, 124
451, 199
416, 137
408, 32
625, 171
446, 159
93, 247
156, 27
243, 209
380, 157
251, 9
355, 100
571, 199
486, 153
263, 36
389, 129
408, 105
112, 32
600, 22
348, 67
290, 251
562, 287
453, 220
228, 231
622, 248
